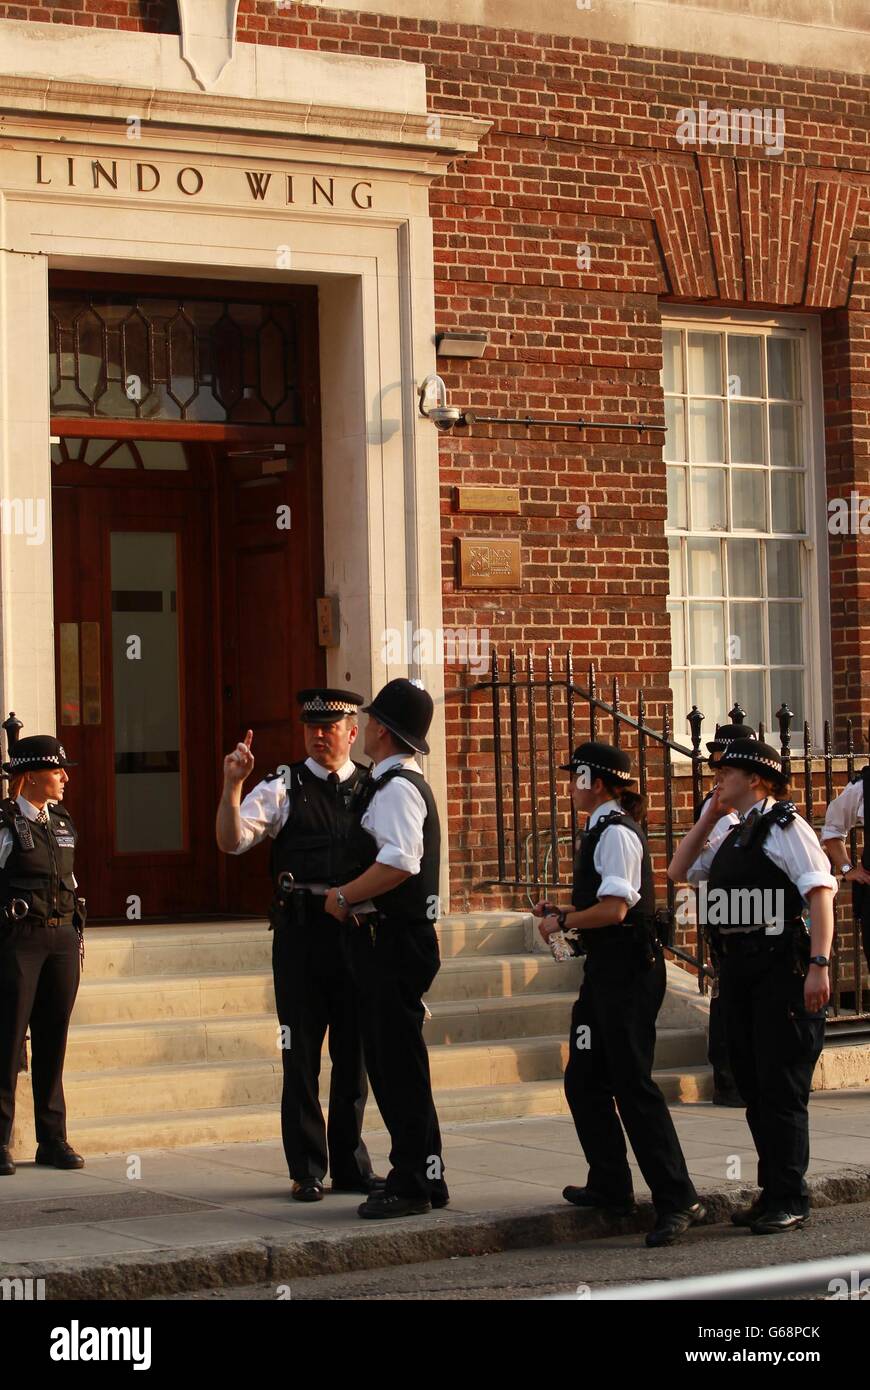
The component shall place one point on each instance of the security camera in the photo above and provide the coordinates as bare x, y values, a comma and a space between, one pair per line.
442, 415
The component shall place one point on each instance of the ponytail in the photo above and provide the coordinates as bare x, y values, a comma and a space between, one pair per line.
632, 803
16, 785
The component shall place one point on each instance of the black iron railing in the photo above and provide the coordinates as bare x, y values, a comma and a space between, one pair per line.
537, 719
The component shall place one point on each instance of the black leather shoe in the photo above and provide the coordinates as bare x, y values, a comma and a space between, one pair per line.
383, 1206
7, 1165
674, 1224
439, 1199
58, 1154
372, 1183
774, 1223
308, 1190
582, 1197
746, 1215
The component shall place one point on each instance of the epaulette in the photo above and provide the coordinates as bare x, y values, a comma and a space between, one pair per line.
9, 809
783, 813
859, 775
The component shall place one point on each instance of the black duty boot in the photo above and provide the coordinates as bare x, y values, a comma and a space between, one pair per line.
774, 1223
583, 1197
7, 1164
674, 1224
384, 1206
57, 1153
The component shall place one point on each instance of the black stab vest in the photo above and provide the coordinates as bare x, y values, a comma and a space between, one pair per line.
316, 843
415, 900
740, 863
638, 924
40, 866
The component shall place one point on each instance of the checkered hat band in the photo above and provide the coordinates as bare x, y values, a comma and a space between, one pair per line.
611, 771
752, 757
331, 706
34, 757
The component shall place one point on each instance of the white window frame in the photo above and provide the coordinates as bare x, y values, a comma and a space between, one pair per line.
818, 677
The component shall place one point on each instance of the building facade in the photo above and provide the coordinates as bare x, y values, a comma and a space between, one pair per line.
232, 239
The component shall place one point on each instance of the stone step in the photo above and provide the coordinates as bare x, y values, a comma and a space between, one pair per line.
222, 947
126, 999
249, 1123
114, 1047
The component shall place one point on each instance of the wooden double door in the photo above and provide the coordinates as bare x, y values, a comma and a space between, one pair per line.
185, 585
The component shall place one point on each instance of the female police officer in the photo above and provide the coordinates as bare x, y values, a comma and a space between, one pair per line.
40, 942
613, 1033
774, 976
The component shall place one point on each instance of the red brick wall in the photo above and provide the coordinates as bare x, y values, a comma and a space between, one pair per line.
583, 150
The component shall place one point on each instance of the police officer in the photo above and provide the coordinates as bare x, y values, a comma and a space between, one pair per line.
843, 814
395, 948
613, 1035
308, 813
774, 975
41, 931
725, 1090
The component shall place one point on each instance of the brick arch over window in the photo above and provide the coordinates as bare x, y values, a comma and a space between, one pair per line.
753, 232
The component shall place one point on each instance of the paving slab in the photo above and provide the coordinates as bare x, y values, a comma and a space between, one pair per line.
203, 1216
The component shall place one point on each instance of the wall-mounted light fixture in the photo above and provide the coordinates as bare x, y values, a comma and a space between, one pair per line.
471, 344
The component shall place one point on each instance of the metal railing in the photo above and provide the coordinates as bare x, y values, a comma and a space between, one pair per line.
537, 719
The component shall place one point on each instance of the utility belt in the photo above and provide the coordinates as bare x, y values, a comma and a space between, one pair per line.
19, 910
790, 941
636, 943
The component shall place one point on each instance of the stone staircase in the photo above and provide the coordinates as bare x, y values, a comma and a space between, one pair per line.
174, 1036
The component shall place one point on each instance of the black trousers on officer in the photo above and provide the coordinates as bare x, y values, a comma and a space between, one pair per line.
394, 965
39, 980
609, 1070
314, 992
774, 1045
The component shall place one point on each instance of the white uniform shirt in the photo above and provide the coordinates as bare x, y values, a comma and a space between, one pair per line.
394, 817
844, 813
618, 857
30, 812
793, 848
264, 810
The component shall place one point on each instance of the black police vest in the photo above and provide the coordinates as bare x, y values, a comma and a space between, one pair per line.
638, 922
741, 864
415, 900
40, 866
316, 844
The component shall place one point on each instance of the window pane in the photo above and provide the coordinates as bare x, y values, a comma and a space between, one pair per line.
747, 688
744, 640
672, 365
785, 442
707, 633
706, 443
705, 567
708, 499
783, 569
676, 568
786, 641
744, 569
787, 497
788, 686
747, 433
678, 645
681, 708
705, 364
744, 365
782, 368
748, 500
708, 693
675, 439
678, 514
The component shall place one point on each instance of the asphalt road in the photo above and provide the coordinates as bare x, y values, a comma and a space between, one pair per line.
535, 1273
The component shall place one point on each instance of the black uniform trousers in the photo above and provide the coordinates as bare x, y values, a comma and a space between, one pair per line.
394, 965
774, 1045
314, 992
610, 1071
39, 980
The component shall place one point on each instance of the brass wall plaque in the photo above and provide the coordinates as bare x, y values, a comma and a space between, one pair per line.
92, 706
488, 499
490, 564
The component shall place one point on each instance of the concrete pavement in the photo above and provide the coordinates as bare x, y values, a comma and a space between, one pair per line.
165, 1221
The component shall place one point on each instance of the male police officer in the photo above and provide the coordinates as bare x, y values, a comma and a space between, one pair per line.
395, 949
308, 813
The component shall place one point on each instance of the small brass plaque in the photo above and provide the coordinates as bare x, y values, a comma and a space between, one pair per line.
490, 564
488, 499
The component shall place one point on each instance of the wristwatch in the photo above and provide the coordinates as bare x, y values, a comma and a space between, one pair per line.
819, 960
342, 901
845, 867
